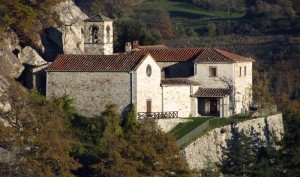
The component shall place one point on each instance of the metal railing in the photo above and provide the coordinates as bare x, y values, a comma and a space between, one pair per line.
157, 115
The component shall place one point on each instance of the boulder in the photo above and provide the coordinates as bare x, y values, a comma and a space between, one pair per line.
4, 84
31, 57
72, 25
10, 65
10, 40
68, 37
5, 107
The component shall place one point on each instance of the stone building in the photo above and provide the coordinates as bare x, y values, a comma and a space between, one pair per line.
160, 82
225, 78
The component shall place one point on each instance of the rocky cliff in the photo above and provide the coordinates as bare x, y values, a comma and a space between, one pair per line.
66, 37
208, 149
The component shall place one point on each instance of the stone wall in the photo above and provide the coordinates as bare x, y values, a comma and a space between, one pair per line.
91, 91
209, 146
167, 125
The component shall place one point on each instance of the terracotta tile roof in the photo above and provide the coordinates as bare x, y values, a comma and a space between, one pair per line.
171, 54
68, 62
212, 92
217, 55
193, 54
178, 81
98, 18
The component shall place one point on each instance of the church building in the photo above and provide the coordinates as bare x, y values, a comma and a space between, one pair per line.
161, 82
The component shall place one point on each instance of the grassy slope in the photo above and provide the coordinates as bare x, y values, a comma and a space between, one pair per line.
185, 15
184, 128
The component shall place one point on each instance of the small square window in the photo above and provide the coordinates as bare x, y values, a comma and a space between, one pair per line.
212, 71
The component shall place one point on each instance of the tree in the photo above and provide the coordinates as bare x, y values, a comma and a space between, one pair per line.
131, 119
113, 8
39, 131
261, 89
238, 157
131, 30
27, 18
160, 19
142, 150
152, 152
211, 29
290, 153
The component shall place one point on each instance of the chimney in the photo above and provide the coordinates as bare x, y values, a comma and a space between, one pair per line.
135, 44
128, 47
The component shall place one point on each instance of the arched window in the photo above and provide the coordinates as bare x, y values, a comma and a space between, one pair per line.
94, 34
107, 34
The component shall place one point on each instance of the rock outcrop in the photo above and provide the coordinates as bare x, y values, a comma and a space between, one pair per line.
31, 57
207, 150
10, 65
10, 40
68, 37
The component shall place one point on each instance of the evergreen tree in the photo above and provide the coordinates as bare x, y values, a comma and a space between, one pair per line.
238, 157
290, 152
131, 119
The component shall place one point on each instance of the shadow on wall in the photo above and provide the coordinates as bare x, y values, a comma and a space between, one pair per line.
181, 69
52, 41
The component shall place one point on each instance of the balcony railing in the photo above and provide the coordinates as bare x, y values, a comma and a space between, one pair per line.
157, 115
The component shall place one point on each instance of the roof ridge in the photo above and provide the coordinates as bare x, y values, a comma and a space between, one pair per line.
219, 52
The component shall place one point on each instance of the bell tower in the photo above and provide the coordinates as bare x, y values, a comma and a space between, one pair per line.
98, 35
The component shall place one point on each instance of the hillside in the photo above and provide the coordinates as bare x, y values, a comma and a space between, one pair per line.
40, 137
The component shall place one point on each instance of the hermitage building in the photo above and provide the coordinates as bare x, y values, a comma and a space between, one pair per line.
159, 81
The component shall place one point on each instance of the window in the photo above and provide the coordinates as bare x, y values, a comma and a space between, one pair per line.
245, 71
212, 71
108, 34
94, 34
240, 71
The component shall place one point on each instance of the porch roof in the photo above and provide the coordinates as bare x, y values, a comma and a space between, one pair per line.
212, 92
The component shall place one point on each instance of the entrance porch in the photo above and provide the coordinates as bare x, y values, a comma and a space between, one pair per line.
213, 102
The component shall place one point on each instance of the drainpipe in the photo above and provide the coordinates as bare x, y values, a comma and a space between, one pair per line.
131, 86
223, 107
233, 83
46, 84
162, 97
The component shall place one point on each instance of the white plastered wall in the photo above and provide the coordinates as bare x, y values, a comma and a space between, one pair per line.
148, 88
243, 86
177, 98
224, 70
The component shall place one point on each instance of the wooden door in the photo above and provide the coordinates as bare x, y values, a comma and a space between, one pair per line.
149, 106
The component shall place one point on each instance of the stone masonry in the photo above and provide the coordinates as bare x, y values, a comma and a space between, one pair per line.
207, 150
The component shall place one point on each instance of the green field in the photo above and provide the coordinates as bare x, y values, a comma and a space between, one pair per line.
187, 16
